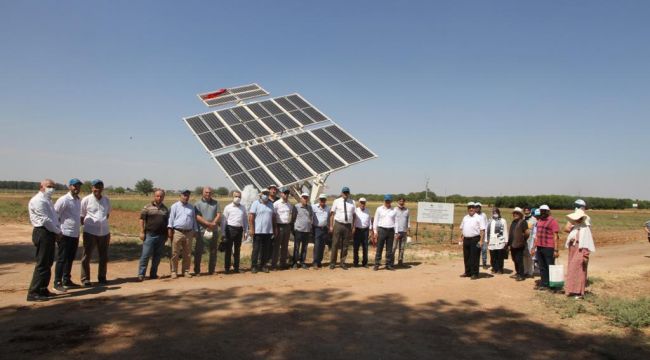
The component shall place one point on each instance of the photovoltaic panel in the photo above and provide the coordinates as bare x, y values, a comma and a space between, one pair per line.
210, 141
245, 88
242, 132
228, 117
295, 145
242, 114
247, 161
281, 173
298, 101
225, 96
226, 137
338, 133
286, 121
278, 150
258, 110
309, 140
257, 128
285, 103
197, 125
229, 164
272, 124
301, 117
325, 137
241, 180
263, 154
359, 149
261, 177
212, 121
345, 154
271, 107
315, 163
328, 157
314, 114
297, 168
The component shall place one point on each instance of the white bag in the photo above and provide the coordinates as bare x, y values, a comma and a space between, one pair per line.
556, 276
207, 235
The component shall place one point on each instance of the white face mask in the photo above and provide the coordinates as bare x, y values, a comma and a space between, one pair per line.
495, 216
236, 200
49, 191
264, 197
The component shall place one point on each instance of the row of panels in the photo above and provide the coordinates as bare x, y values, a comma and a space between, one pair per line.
225, 96
247, 122
293, 159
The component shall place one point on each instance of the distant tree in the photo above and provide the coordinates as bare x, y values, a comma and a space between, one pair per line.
119, 190
86, 188
144, 186
198, 190
222, 191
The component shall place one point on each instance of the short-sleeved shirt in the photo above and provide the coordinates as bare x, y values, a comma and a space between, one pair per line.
155, 217
95, 213
282, 211
207, 209
321, 215
546, 230
68, 208
303, 217
340, 207
362, 219
263, 216
471, 226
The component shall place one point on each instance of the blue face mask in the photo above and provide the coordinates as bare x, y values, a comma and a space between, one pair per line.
264, 197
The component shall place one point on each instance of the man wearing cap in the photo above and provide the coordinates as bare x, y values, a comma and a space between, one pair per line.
343, 210
282, 210
46, 231
95, 211
547, 241
483, 217
529, 264
320, 222
154, 218
260, 226
362, 228
180, 230
68, 210
472, 233
234, 225
208, 217
273, 193
403, 228
385, 230
517, 241
302, 219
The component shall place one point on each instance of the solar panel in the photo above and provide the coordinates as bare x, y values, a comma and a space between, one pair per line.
345, 154
263, 154
315, 163
301, 117
285, 103
244, 158
298, 101
309, 140
229, 164
261, 177
241, 180
210, 141
257, 128
197, 125
226, 137
314, 114
228, 117
286, 121
212, 121
297, 168
242, 114
295, 145
329, 158
359, 149
278, 150
281, 173
338, 133
242, 132
271, 107
225, 96
258, 110
325, 137
272, 124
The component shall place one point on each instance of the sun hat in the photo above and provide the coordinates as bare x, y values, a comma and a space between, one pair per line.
576, 215
544, 207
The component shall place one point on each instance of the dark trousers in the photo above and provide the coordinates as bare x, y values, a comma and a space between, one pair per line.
44, 242
360, 240
152, 247
281, 245
199, 248
471, 255
233, 236
90, 242
65, 253
385, 237
496, 259
321, 237
341, 235
545, 258
518, 259
300, 243
261, 249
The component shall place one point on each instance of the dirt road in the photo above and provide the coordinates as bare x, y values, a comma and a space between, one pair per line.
423, 312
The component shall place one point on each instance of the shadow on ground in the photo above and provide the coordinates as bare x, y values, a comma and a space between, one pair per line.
117, 251
324, 324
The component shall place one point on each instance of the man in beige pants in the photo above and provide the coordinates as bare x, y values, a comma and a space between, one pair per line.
180, 230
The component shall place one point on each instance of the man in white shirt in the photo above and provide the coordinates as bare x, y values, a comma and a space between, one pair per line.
282, 210
343, 211
362, 229
472, 233
68, 209
385, 226
302, 219
181, 230
479, 211
95, 211
321, 222
234, 225
46, 232
402, 219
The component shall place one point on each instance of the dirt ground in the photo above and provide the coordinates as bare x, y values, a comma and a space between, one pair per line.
423, 312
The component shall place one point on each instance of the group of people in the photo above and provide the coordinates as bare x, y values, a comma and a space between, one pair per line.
533, 241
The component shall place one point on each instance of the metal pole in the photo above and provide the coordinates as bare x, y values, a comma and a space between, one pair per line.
416, 231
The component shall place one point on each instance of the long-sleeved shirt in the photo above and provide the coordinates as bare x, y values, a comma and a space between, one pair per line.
182, 216
95, 213
302, 217
68, 210
402, 218
321, 215
362, 219
41, 213
385, 218
234, 215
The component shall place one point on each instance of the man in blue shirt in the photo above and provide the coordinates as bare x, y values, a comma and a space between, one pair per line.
180, 231
320, 224
261, 223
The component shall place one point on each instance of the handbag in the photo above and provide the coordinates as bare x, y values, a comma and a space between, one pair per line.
556, 276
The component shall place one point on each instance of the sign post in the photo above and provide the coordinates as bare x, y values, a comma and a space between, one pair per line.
435, 213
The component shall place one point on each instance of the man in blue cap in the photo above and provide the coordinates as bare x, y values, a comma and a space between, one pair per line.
282, 210
343, 215
385, 230
68, 209
95, 211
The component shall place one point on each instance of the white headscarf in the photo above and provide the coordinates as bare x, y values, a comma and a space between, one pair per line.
582, 233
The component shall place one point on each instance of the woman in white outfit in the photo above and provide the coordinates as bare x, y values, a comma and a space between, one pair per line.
497, 240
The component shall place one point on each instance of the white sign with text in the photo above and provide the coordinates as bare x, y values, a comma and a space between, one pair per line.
435, 213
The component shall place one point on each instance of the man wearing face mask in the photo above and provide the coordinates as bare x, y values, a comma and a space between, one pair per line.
46, 231
547, 241
95, 211
233, 226
260, 226
68, 209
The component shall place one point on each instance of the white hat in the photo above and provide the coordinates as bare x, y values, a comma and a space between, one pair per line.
577, 215
478, 204
304, 195
362, 200
545, 207
518, 210
471, 203
323, 196
264, 191
580, 202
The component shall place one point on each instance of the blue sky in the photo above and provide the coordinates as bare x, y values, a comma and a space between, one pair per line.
482, 97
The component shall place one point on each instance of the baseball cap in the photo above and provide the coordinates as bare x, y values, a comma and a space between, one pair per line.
388, 197
273, 186
322, 196
186, 192
362, 200
285, 189
471, 204
75, 181
580, 202
96, 182
478, 204
264, 190
537, 212
518, 210
544, 207
345, 189
304, 195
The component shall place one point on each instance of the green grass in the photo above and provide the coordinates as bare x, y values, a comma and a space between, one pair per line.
631, 313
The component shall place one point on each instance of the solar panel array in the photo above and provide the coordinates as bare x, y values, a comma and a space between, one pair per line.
317, 146
233, 95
